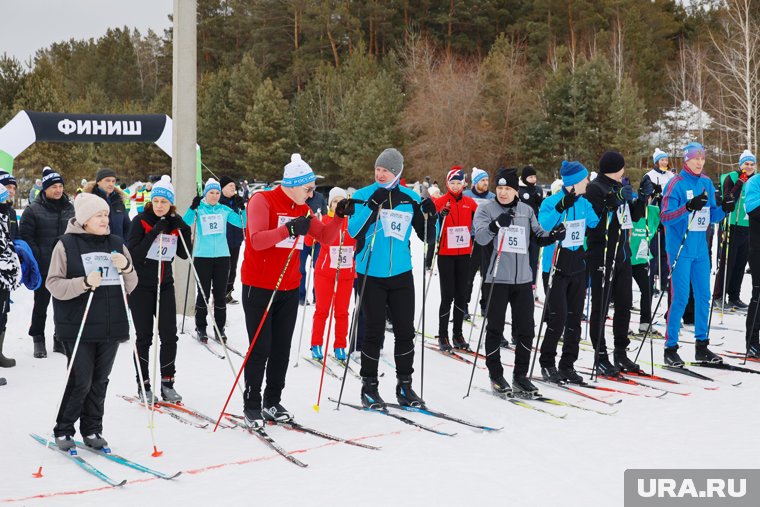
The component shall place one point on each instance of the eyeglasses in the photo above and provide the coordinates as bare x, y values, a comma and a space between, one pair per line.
310, 190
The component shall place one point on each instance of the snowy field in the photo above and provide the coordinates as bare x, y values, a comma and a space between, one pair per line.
537, 460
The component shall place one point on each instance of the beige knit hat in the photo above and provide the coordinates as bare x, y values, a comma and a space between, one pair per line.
86, 205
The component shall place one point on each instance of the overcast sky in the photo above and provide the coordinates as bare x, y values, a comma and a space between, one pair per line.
29, 25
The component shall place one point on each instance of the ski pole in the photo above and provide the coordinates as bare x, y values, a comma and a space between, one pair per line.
670, 279
725, 270
156, 338
187, 285
494, 270
602, 316
38, 473
724, 260
472, 325
330, 319
258, 330
426, 285
355, 318
751, 328
552, 272
309, 276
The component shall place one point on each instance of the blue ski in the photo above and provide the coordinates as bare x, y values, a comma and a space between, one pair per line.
106, 453
83, 464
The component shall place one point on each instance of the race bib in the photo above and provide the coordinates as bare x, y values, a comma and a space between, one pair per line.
643, 251
289, 241
212, 224
575, 232
395, 223
624, 217
341, 256
458, 237
701, 220
101, 261
164, 247
513, 239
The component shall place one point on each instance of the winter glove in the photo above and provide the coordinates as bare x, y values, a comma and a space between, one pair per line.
697, 203
196, 202
646, 188
377, 199
121, 262
92, 281
567, 201
743, 176
729, 204
657, 190
161, 226
428, 206
612, 201
503, 220
558, 233
445, 210
625, 193
345, 208
298, 226
238, 201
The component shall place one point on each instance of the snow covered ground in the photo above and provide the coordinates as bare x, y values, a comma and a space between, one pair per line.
535, 461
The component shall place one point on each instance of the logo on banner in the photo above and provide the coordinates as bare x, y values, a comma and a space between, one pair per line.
100, 127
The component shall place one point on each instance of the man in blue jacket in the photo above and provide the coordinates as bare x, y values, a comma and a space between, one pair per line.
688, 208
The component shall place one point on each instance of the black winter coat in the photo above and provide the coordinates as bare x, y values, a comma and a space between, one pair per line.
141, 238
42, 222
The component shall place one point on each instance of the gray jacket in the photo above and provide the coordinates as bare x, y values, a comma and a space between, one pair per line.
514, 268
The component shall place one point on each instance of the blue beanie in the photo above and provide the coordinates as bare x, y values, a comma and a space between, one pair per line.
211, 184
572, 173
163, 188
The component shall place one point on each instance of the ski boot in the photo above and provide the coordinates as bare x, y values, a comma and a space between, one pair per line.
460, 343
672, 358
738, 305
58, 346
148, 396
571, 376
168, 393
5, 362
500, 385
605, 368
467, 317
40, 352
253, 418
550, 374
522, 387
201, 334
753, 351
704, 355
95, 441
340, 354
230, 299
405, 394
652, 332
504, 343
316, 353
443, 343
276, 413
370, 396
66, 444
623, 362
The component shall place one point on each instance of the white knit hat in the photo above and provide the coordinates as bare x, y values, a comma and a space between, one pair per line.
86, 205
658, 154
477, 175
747, 156
297, 172
163, 188
211, 184
336, 192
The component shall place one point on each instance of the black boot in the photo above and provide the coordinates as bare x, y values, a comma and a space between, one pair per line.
501, 386
605, 368
504, 343
40, 352
571, 376
443, 343
705, 355
523, 387
621, 361
753, 351
672, 358
58, 346
370, 395
460, 343
5, 362
202, 336
405, 394
253, 418
276, 413
550, 374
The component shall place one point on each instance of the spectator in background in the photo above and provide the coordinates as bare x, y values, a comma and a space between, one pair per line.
35, 190
105, 187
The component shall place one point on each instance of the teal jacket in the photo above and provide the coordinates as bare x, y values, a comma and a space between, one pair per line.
208, 242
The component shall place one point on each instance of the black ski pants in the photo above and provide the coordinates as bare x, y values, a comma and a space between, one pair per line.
738, 254
142, 303
213, 273
271, 352
617, 287
397, 293
477, 263
234, 256
563, 315
40, 309
520, 298
641, 275
453, 273
753, 319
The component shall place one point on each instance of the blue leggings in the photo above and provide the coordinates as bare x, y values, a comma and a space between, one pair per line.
697, 272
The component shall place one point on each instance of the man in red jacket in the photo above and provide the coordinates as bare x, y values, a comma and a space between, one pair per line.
278, 220
455, 223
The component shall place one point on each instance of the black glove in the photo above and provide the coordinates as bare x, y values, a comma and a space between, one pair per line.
612, 201
625, 193
503, 220
646, 188
657, 190
299, 226
445, 211
729, 204
558, 233
567, 201
238, 201
160, 226
428, 206
345, 208
697, 203
196, 202
175, 222
377, 199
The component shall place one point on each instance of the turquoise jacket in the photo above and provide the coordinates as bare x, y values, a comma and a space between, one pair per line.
209, 243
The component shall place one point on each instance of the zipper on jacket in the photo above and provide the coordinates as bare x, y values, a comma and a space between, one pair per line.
390, 270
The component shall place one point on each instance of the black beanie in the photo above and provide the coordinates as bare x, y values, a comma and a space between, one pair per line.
527, 171
104, 172
507, 177
226, 180
611, 162
50, 177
